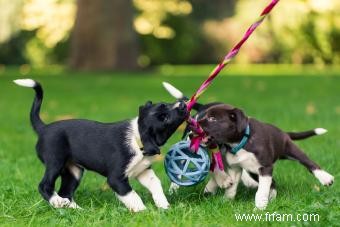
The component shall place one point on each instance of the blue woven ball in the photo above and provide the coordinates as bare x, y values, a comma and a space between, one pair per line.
185, 167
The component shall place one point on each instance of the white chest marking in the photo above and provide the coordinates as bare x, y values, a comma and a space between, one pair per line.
245, 160
139, 162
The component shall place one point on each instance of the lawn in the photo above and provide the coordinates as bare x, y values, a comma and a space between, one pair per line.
292, 103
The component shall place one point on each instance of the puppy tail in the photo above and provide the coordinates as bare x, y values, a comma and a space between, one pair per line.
36, 121
174, 92
306, 134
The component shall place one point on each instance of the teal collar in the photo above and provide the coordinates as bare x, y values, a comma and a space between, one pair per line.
243, 141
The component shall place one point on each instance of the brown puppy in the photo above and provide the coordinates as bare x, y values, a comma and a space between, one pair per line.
254, 149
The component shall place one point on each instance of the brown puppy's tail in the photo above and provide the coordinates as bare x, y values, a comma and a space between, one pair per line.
306, 134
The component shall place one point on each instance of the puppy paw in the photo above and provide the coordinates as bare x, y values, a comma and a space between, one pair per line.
132, 201
173, 188
324, 177
222, 179
58, 202
211, 187
208, 190
161, 201
230, 194
261, 201
74, 205
272, 194
163, 204
137, 208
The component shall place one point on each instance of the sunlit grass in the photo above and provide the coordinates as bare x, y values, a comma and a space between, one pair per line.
292, 103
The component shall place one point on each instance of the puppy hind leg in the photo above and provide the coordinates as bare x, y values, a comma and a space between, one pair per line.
46, 188
120, 185
70, 179
324, 177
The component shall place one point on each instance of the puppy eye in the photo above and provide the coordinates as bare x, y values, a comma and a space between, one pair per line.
232, 116
211, 119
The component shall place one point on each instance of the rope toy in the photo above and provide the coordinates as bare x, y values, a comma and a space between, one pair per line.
193, 124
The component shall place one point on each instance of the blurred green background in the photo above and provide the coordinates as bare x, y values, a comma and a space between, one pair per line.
136, 34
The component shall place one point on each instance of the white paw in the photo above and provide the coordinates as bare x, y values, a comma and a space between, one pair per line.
230, 194
162, 203
74, 205
173, 188
132, 201
272, 194
211, 187
261, 201
324, 177
137, 208
208, 190
222, 179
58, 202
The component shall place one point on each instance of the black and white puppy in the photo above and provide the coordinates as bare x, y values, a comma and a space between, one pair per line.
220, 179
265, 144
118, 151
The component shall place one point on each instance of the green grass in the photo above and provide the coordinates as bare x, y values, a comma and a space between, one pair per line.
292, 103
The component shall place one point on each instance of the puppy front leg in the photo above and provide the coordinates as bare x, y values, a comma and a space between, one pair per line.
151, 182
265, 182
235, 174
125, 193
211, 186
222, 179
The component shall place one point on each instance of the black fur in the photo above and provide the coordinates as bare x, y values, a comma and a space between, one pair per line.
100, 147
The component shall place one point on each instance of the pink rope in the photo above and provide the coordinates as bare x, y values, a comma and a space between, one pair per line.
234, 51
199, 133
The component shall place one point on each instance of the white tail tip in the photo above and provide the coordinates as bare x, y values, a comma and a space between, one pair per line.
172, 90
25, 82
320, 131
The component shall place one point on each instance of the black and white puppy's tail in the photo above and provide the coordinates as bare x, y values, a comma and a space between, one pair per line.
174, 92
36, 121
306, 134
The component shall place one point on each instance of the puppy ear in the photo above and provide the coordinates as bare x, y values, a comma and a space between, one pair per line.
147, 106
240, 119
